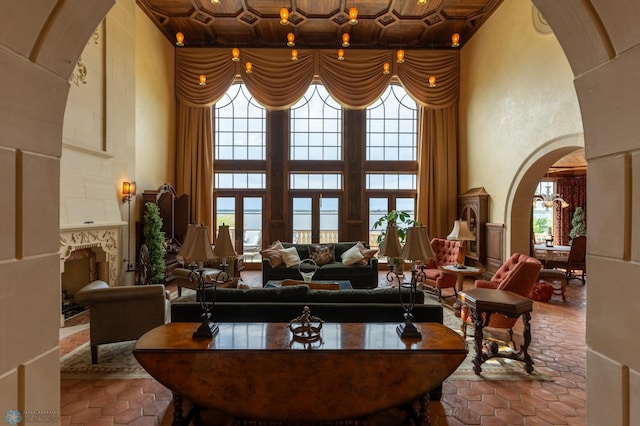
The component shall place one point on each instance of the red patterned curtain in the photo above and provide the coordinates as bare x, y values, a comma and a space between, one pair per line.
574, 191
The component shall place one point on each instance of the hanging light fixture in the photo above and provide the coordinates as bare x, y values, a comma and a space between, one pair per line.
386, 68
547, 199
291, 39
353, 15
248, 67
215, 1
345, 40
432, 81
179, 39
421, 1
400, 56
235, 54
341, 54
294, 54
203, 80
455, 40
284, 16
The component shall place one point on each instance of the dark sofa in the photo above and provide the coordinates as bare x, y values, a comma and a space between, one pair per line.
360, 276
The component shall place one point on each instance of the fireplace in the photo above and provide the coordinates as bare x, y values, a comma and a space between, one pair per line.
87, 253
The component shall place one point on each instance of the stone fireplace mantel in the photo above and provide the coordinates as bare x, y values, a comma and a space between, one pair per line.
103, 238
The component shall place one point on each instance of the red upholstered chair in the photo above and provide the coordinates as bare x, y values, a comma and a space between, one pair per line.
517, 274
446, 252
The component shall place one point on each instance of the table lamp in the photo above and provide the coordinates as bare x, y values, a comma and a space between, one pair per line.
223, 247
390, 246
195, 251
461, 233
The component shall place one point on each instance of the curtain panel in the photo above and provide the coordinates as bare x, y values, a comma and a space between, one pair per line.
573, 191
278, 82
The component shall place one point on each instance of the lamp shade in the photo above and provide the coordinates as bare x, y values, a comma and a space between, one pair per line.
197, 246
390, 246
461, 231
400, 56
223, 246
128, 188
284, 16
179, 39
353, 15
291, 39
417, 246
345, 40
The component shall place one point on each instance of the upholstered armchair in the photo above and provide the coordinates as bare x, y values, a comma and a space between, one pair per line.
518, 274
446, 252
119, 314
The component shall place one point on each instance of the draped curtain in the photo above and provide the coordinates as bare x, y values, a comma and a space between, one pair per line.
574, 191
277, 83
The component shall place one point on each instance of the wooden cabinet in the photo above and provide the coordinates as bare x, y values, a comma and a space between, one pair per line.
473, 206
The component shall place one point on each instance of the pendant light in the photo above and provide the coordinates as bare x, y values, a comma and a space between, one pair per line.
386, 68
400, 56
248, 67
353, 15
291, 39
341, 54
455, 40
421, 1
179, 39
284, 16
203, 80
235, 54
294, 54
345, 40
215, 1
432, 81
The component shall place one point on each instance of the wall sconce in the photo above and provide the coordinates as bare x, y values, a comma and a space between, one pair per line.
129, 191
386, 68
203, 80
353, 15
248, 67
235, 54
432, 81
400, 56
179, 39
341, 54
284, 16
345, 40
455, 40
291, 39
294, 54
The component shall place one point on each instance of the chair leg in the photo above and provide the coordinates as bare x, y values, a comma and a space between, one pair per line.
94, 354
463, 328
511, 342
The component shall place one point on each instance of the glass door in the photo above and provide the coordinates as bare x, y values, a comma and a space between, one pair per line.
316, 219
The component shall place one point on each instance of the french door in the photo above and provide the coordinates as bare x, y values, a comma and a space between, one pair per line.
244, 215
315, 218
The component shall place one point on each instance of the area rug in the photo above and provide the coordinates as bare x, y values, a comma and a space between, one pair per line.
493, 369
115, 361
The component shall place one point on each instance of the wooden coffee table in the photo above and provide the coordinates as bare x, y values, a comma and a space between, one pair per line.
257, 371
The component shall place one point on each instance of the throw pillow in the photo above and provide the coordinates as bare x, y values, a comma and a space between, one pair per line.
290, 257
322, 253
352, 256
273, 254
367, 253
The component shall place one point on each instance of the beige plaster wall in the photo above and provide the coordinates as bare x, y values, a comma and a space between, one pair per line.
516, 97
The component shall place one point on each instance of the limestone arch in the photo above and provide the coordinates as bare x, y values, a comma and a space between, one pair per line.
518, 200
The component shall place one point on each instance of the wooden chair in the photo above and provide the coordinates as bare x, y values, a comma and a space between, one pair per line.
518, 274
576, 260
312, 285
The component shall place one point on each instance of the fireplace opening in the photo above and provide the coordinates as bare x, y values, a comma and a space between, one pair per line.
80, 268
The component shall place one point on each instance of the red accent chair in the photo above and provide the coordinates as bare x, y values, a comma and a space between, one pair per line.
518, 274
446, 252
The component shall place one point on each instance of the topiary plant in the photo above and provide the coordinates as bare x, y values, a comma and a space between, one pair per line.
578, 225
154, 239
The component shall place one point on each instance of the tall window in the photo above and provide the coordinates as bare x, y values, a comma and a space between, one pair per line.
316, 126
240, 126
240, 178
391, 153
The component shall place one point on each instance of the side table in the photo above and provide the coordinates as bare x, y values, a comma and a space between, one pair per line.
467, 271
485, 301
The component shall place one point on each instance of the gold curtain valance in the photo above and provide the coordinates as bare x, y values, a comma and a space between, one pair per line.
277, 82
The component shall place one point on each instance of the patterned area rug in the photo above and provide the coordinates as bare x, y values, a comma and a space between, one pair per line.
116, 361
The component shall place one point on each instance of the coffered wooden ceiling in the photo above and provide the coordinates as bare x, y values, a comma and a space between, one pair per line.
319, 23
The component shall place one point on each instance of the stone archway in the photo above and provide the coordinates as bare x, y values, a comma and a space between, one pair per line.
518, 203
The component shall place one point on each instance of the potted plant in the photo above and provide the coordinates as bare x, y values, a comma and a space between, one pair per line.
402, 220
578, 224
154, 240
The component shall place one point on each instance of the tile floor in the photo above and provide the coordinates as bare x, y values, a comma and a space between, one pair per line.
557, 348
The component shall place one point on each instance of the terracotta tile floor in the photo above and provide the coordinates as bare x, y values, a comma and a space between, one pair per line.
557, 348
